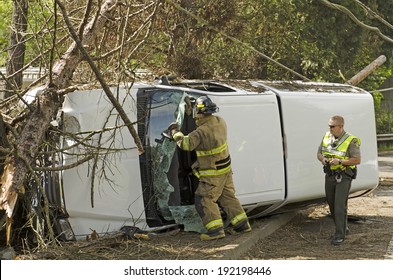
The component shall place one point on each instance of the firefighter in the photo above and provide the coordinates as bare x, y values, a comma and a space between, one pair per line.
339, 152
213, 169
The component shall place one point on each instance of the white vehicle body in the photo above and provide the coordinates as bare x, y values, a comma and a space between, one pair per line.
274, 129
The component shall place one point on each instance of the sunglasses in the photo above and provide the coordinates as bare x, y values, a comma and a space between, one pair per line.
333, 126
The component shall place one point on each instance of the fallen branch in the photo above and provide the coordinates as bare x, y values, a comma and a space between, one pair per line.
366, 71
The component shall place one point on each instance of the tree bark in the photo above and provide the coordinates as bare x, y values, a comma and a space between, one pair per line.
44, 111
16, 52
366, 71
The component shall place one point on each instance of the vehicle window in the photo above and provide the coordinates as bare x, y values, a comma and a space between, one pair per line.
166, 160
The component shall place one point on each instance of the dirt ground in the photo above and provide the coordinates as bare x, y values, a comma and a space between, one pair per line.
306, 236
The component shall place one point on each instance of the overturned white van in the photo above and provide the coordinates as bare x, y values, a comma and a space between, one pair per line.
274, 129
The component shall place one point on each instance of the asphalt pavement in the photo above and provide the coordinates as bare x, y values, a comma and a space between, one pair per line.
385, 164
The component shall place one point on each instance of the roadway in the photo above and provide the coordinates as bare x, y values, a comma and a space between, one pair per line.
385, 162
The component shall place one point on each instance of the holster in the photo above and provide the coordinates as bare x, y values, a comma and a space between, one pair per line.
326, 169
351, 172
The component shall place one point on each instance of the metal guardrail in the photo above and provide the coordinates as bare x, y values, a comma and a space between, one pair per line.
30, 74
384, 138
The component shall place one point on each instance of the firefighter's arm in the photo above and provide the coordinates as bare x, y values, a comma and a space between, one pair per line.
180, 140
187, 142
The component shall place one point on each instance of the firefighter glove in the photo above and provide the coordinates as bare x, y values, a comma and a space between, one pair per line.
173, 128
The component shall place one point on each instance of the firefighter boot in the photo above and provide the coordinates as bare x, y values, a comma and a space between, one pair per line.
240, 227
212, 234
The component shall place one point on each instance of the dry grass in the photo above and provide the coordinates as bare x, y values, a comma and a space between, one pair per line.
307, 236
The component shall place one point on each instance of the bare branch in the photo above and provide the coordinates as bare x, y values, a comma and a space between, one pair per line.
356, 20
374, 14
96, 71
64, 167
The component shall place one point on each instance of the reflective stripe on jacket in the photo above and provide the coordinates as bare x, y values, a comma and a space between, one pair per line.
330, 149
209, 141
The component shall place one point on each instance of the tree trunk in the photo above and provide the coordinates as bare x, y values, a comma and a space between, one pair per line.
47, 105
16, 52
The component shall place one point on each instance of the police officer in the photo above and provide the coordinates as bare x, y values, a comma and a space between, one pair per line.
213, 168
339, 152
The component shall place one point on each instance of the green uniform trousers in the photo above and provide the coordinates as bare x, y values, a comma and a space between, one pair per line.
337, 199
215, 191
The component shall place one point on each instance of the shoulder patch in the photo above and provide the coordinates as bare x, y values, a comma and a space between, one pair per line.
356, 142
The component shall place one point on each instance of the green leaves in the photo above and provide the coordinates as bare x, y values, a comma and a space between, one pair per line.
5, 22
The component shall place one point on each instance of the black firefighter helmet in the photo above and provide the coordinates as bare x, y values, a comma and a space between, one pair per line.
204, 105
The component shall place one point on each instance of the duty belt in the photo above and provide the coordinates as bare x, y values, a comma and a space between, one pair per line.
337, 173
330, 172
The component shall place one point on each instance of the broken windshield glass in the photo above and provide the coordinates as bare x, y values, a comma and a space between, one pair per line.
165, 108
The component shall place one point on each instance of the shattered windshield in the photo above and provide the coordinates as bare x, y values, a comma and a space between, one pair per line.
167, 107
